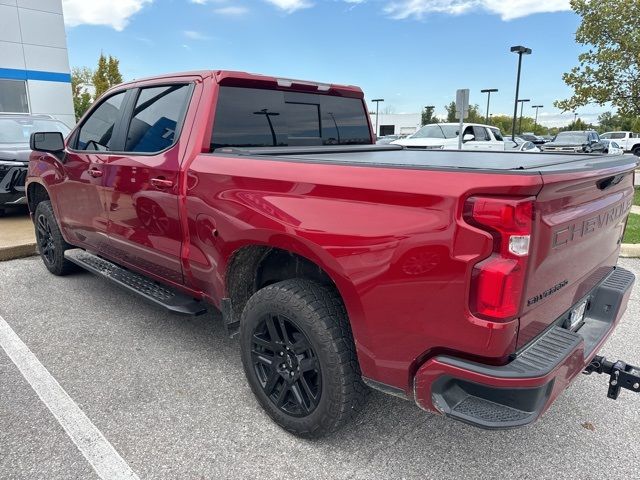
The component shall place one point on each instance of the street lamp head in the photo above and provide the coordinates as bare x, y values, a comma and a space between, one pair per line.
489, 90
537, 106
524, 100
378, 100
519, 49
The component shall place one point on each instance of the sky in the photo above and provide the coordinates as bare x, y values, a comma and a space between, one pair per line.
412, 53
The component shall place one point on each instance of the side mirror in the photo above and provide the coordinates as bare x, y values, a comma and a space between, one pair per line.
468, 137
51, 142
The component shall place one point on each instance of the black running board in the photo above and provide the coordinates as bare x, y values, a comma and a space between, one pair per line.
150, 290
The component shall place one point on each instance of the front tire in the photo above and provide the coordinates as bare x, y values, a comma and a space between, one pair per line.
51, 245
299, 357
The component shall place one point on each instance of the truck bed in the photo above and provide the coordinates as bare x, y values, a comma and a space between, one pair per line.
396, 156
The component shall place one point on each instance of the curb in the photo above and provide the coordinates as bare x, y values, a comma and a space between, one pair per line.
630, 250
17, 251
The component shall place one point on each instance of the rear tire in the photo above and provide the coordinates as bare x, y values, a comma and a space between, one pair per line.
51, 245
636, 151
299, 357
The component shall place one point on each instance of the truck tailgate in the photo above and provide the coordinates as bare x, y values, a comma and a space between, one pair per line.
578, 226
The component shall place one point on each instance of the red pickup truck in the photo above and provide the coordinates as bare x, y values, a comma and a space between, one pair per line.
477, 284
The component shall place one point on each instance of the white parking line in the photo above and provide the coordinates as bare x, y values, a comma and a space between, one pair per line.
100, 454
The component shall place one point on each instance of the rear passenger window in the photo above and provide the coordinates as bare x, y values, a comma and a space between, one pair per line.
157, 117
97, 131
498, 134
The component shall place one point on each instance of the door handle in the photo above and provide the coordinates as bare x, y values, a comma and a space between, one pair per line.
94, 172
161, 182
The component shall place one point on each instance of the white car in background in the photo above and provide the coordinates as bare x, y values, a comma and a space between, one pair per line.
444, 136
519, 144
611, 147
628, 141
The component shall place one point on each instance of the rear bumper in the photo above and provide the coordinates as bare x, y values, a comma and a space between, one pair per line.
519, 392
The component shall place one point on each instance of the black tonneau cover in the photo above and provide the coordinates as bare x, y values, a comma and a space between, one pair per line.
396, 156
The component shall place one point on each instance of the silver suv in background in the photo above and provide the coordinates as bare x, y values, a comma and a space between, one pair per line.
15, 130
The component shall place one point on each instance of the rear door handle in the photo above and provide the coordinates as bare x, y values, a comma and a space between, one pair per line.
94, 172
161, 182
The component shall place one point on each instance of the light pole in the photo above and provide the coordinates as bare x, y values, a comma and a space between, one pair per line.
535, 123
522, 102
488, 91
575, 118
520, 50
377, 102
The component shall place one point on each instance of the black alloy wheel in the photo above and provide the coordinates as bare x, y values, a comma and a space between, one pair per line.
45, 242
286, 365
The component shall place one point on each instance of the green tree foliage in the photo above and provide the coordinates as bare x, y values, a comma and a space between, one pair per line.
87, 85
474, 114
609, 121
428, 116
609, 71
504, 123
81, 78
107, 74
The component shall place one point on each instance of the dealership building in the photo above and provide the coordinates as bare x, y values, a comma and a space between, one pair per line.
396, 123
34, 64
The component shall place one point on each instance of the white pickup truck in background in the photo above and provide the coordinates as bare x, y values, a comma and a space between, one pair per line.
628, 141
444, 136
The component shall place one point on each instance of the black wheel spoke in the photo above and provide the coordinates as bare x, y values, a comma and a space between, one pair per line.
302, 381
261, 342
283, 329
273, 331
300, 346
263, 358
283, 394
297, 394
272, 381
308, 364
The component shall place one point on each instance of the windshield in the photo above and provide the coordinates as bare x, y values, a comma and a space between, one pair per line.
18, 130
571, 137
436, 131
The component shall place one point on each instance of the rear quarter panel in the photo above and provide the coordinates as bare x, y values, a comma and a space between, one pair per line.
391, 240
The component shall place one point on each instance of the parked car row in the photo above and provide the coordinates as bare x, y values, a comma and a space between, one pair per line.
445, 136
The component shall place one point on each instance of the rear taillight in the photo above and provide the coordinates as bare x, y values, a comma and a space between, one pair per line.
497, 282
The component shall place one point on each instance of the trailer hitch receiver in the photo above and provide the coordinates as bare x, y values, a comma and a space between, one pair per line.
621, 375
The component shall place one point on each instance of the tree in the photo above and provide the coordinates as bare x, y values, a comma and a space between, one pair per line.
427, 116
609, 71
106, 75
80, 84
474, 114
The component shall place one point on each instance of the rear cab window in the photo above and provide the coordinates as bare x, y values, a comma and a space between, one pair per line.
251, 117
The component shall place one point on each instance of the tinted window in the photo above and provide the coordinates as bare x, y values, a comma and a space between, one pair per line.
157, 118
481, 134
247, 117
614, 135
498, 134
97, 131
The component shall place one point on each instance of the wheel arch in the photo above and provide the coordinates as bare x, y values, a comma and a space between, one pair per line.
36, 193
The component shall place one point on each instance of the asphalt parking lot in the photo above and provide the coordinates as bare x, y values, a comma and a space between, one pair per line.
169, 394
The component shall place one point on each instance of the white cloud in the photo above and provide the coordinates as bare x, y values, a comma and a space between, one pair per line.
290, 6
114, 14
508, 10
232, 10
193, 35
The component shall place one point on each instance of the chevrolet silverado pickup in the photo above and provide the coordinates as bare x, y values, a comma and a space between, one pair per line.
477, 284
